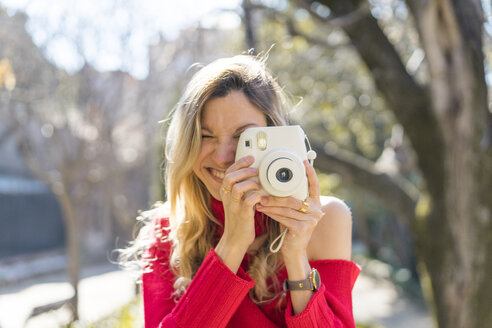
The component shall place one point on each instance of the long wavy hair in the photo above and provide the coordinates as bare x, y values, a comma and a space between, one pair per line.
192, 225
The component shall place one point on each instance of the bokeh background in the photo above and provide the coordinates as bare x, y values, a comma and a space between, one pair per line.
387, 91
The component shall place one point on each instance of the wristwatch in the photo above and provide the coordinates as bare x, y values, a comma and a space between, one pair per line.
311, 283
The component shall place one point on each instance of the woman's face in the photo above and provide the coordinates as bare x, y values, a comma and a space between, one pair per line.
223, 119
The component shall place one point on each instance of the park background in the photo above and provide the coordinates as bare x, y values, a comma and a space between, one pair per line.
392, 94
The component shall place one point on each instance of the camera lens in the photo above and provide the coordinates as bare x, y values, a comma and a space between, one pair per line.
284, 175
281, 173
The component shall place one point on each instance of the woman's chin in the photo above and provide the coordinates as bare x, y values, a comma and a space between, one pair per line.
215, 194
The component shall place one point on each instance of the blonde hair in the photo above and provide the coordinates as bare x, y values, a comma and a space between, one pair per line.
192, 225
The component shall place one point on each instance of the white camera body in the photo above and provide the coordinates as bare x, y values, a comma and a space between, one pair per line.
279, 152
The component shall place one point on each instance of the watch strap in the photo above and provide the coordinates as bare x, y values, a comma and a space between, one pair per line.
310, 283
305, 284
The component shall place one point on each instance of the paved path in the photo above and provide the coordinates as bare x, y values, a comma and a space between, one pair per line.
377, 301
104, 289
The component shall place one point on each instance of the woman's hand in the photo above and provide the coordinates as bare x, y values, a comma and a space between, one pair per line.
300, 217
239, 199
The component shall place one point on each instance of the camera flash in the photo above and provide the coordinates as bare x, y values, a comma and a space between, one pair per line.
261, 140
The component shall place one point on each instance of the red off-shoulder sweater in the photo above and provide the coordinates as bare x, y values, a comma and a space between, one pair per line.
216, 297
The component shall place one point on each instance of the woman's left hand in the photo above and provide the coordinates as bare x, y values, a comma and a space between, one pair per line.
300, 217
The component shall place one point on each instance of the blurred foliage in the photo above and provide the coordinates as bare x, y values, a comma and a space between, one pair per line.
129, 316
361, 325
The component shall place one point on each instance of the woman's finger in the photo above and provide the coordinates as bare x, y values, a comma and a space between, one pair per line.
240, 188
294, 203
294, 226
303, 206
284, 211
313, 182
243, 162
234, 177
252, 199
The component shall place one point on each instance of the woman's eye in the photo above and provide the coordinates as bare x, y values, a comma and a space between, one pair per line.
238, 135
206, 136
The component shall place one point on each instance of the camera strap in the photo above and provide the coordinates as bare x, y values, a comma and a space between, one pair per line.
280, 240
311, 154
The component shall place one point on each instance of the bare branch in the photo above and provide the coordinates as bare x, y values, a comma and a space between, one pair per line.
392, 190
341, 21
294, 31
409, 101
248, 24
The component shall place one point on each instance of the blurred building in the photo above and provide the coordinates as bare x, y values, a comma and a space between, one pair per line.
30, 218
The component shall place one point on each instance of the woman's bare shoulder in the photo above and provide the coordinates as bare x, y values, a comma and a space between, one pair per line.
335, 206
332, 238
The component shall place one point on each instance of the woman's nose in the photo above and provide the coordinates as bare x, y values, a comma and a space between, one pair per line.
225, 152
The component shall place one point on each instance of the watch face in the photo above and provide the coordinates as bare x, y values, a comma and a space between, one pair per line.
316, 279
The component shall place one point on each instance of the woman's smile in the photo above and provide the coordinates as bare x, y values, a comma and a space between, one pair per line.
217, 174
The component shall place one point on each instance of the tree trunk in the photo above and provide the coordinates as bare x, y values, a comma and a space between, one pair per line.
73, 248
458, 229
248, 26
449, 126
69, 219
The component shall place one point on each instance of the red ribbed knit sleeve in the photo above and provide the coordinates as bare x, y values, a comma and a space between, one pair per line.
210, 300
331, 305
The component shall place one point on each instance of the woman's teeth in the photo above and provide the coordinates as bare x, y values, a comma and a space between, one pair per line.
217, 174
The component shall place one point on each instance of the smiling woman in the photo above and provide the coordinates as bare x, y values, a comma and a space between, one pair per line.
205, 252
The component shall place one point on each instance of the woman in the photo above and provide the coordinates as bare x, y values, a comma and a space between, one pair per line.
207, 256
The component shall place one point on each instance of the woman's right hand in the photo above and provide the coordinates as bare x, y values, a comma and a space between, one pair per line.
239, 197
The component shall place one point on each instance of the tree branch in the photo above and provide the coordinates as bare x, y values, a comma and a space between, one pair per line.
408, 100
338, 21
294, 31
391, 190
248, 25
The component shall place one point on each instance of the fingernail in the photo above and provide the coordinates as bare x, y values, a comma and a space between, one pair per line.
264, 200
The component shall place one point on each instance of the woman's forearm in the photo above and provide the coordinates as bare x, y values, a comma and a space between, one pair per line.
298, 268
